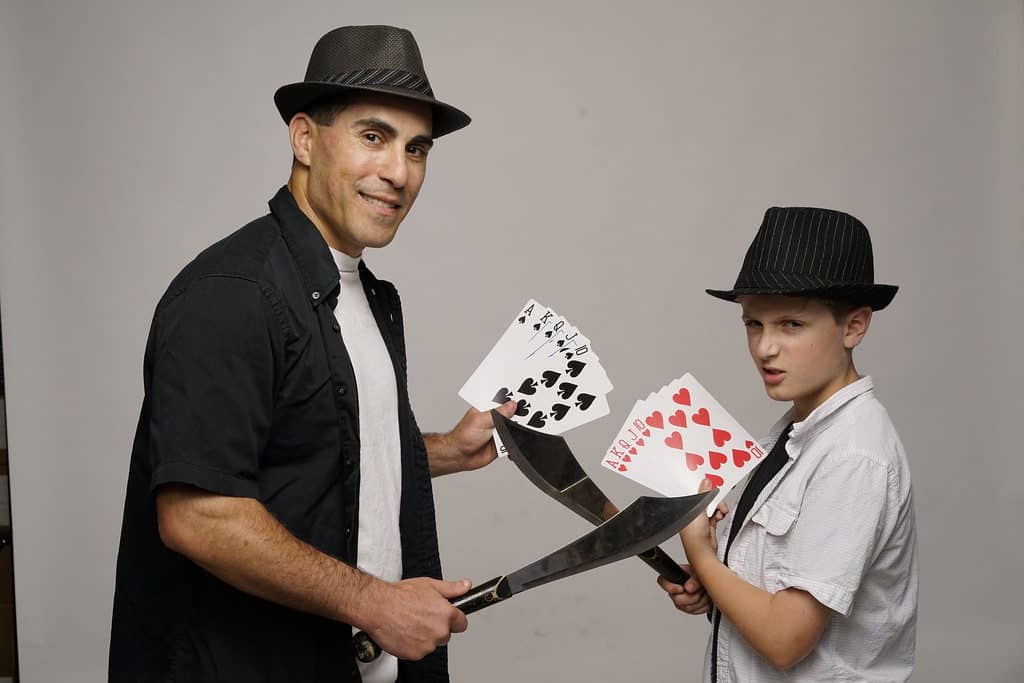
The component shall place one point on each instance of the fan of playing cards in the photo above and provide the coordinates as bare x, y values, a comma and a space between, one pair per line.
545, 364
679, 436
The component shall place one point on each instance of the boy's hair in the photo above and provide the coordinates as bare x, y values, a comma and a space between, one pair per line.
840, 308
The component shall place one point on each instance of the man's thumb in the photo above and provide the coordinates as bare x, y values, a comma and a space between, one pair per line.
453, 589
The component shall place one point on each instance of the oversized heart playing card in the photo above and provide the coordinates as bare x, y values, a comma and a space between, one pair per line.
680, 436
548, 367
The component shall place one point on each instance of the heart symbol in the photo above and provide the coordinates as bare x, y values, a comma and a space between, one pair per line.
503, 396
583, 401
715, 480
640, 442
627, 458
675, 441
717, 459
740, 457
632, 451
749, 443
565, 389
720, 436
524, 407
678, 419
537, 420
702, 417
682, 397
559, 410
575, 367
646, 432
655, 419
622, 468
549, 378
693, 461
528, 387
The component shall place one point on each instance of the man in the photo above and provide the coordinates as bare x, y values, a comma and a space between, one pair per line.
279, 493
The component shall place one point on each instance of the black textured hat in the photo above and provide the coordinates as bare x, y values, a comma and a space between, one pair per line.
804, 251
378, 58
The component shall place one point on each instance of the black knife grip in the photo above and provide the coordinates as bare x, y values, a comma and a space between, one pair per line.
484, 595
660, 562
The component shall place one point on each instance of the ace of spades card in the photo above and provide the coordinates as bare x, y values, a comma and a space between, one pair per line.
680, 436
548, 367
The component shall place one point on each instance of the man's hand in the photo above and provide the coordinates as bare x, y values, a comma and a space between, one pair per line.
468, 446
690, 597
415, 617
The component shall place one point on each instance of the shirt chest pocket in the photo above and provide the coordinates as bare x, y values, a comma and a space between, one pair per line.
772, 525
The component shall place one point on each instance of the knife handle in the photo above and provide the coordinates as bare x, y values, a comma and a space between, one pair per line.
659, 560
484, 595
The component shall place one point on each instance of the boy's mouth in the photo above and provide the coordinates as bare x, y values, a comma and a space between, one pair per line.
772, 375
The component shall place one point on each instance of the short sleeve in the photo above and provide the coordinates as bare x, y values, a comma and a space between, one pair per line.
836, 534
211, 387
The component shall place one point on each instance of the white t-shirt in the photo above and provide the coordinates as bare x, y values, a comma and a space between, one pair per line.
837, 522
380, 448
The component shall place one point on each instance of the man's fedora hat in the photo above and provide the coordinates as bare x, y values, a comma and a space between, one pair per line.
805, 251
381, 59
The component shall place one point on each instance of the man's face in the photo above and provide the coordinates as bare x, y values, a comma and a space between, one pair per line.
801, 352
366, 169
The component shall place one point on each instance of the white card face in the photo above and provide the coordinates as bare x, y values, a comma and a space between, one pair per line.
687, 437
548, 367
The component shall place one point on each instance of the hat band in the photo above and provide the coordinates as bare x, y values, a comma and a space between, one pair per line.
395, 78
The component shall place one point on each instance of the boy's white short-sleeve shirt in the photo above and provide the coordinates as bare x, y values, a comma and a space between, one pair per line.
837, 522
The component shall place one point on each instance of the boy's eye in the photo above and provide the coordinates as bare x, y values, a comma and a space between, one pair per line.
792, 324
749, 324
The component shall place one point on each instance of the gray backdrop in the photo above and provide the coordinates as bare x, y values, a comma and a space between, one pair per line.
619, 162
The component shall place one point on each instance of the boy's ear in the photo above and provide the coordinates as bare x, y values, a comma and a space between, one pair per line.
857, 322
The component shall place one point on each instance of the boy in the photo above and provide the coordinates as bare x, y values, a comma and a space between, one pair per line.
814, 574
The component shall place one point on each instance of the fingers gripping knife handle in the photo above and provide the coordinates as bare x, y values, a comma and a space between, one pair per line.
484, 595
660, 562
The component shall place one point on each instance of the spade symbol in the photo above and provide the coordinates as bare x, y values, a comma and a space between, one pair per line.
537, 421
548, 334
560, 343
559, 410
502, 396
549, 378
575, 368
522, 319
536, 326
584, 401
524, 407
528, 387
565, 389
568, 355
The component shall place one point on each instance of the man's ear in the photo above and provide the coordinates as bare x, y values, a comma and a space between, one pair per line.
301, 130
857, 323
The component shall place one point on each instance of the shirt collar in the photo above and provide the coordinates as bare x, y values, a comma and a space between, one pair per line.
818, 420
316, 266
346, 263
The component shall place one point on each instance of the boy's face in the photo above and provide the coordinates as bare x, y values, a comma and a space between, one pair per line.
801, 352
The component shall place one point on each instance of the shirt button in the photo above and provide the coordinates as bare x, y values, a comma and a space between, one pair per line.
316, 296
342, 389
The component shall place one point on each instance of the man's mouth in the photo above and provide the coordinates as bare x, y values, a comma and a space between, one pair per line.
772, 375
382, 202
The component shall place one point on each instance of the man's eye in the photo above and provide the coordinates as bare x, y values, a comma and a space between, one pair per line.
371, 137
417, 151
793, 324
749, 324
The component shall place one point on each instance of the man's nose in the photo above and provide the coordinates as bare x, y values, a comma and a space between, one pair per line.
394, 168
767, 346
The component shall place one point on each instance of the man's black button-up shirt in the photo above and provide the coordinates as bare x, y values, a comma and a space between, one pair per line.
249, 392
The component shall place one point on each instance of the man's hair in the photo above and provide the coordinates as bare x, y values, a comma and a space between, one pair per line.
324, 110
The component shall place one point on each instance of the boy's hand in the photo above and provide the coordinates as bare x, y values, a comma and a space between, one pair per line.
690, 597
701, 536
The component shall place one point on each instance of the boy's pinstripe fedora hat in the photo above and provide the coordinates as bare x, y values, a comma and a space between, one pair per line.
806, 251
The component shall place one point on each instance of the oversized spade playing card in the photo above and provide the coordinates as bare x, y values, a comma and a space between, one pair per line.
546, 365
680, 436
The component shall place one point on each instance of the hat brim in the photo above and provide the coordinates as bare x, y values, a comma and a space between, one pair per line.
295, 97
876, 296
